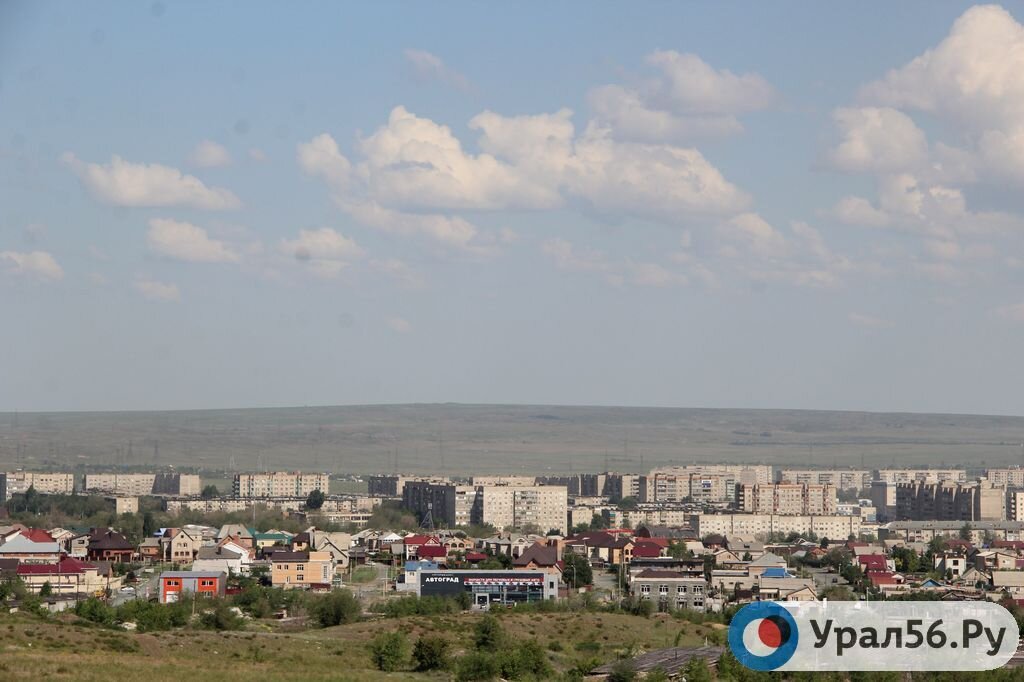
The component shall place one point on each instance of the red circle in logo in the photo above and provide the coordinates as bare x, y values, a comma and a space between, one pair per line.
769, 633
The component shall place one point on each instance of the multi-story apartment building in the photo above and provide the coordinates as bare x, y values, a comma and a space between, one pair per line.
47, 483
787, 498
134, 485
393, 485
923, 531
762, 525
883, 498
923, 475
280, 484
670, 589
1011, 478
502, 506
505, 480
949, 500
1015, 505
741, 473
842, 479
618, 486
573, 483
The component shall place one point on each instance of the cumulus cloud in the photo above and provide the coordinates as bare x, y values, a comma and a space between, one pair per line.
38, 265
123, 183
752, 233
210, 154
325, 251
687, 98
429, 67
187, 242
878, 140
859, 211
158, 291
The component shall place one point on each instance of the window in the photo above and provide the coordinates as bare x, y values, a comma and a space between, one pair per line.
300, 577
645, 589
284, 567
681, 589
698, 589
663, 589
298, 567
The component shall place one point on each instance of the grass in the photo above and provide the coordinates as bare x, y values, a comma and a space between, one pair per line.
34, 649
363, 574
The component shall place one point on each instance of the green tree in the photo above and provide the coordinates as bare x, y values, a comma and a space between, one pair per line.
577, 571
210, 492
389, 651
337, 608
46, 590
315, 500
628, 503
476, 665
696, 670
431, 653
221, 617
488, 634
622, 671
966, 532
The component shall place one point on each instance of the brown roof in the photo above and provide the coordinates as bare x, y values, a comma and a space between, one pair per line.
290, 556
541, 555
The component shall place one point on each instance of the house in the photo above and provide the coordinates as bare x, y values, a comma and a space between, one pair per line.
301, 570
952, 564
743, 547
765, 561
875, 562
271, 538
511, 545
150, 550
541, 557
177, 584
237, 530
669, 532
692, 567
887, 582
29, 552
67, 576
410, 579
1009, 581
181, 545
220, 560
786, 589
37, 535
412, 543
670, 589
995, 560
109, 545
645, 549
337, 544
78, 545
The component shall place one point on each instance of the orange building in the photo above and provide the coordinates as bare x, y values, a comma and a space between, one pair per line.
202, 583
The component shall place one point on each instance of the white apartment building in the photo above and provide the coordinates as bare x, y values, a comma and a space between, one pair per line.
922, 475
842, 479
761, 525
1011, 478
742, 473
507, 506
505, 480
134, 485
47, 483
792, 499
279, 484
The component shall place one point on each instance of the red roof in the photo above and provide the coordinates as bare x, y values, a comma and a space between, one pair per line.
431, 551
418, 539
64, 566
644, 549
882, 578
872, 562
475, 556
36, 535
1008, 544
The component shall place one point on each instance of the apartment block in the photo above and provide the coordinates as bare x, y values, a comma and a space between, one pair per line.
505, 480
1011, 478
394, 485
842, 479
793, 499
502, 506
134, 485
741, 473
47, 483
279, 484
1015, 505
949, 500
922, 475
762, 525
448, 504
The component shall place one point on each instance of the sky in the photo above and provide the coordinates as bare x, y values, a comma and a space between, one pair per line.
763, 205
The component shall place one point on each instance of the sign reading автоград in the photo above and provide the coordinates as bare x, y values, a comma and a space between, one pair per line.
893, 635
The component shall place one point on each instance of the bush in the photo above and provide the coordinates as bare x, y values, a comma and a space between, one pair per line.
524, 661
490, 636
423, 606
622, 671
390, 651
336, 608
476, 665
431, 653
96, 611
221, 617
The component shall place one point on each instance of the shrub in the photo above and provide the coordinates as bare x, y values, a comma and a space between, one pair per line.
96, 611
336, 608
221, 617
476, 665
431, 653
490, 636
622, 671
389, 650
524, 661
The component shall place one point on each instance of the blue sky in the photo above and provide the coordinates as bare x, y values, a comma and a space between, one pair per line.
679, 204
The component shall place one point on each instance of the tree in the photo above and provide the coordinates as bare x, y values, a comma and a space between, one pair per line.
210, 492
46, 590
476, 665
965, 532
696, 670
747, 556
489, 635
337, 608
576, 571
598, 522
628, 503
389, 651
431, 653
622, 671
315, 500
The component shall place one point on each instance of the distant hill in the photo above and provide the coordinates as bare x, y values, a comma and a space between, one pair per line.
464, 439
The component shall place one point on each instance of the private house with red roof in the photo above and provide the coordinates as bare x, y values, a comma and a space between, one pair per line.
875, 562
67, 576
413, 543
37, 535
109, 545
886, 581
601, 546
540, 557
645, 549
475, 557
1015, 545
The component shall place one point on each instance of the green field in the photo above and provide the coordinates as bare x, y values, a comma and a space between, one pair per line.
467, 439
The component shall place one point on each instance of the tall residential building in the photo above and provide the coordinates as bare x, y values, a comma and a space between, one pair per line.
573, 482
741, 473
1015, 505
163, 484
883, 498
922, 475
504, 480
280, 484
1011, 478
949, 500
47, 483
842, 479
793, 499
760, 526
394, 484
502, 506
617, 486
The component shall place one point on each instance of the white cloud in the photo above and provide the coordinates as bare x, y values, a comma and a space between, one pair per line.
859, 211
655, 275
868, 321
454, 232
688, 98
34, 264
399, 271
210, 154
325, 251
399, 325
1013, 313
878, 140
321, 157
123, 183
187, 242
752, 233
158, 291
428, 66
566, 257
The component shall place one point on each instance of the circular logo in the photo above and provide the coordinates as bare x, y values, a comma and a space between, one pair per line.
763, 636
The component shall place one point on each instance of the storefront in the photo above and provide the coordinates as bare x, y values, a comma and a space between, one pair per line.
490, 587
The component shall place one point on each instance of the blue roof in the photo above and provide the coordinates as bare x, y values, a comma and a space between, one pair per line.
421, 565
776, 572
